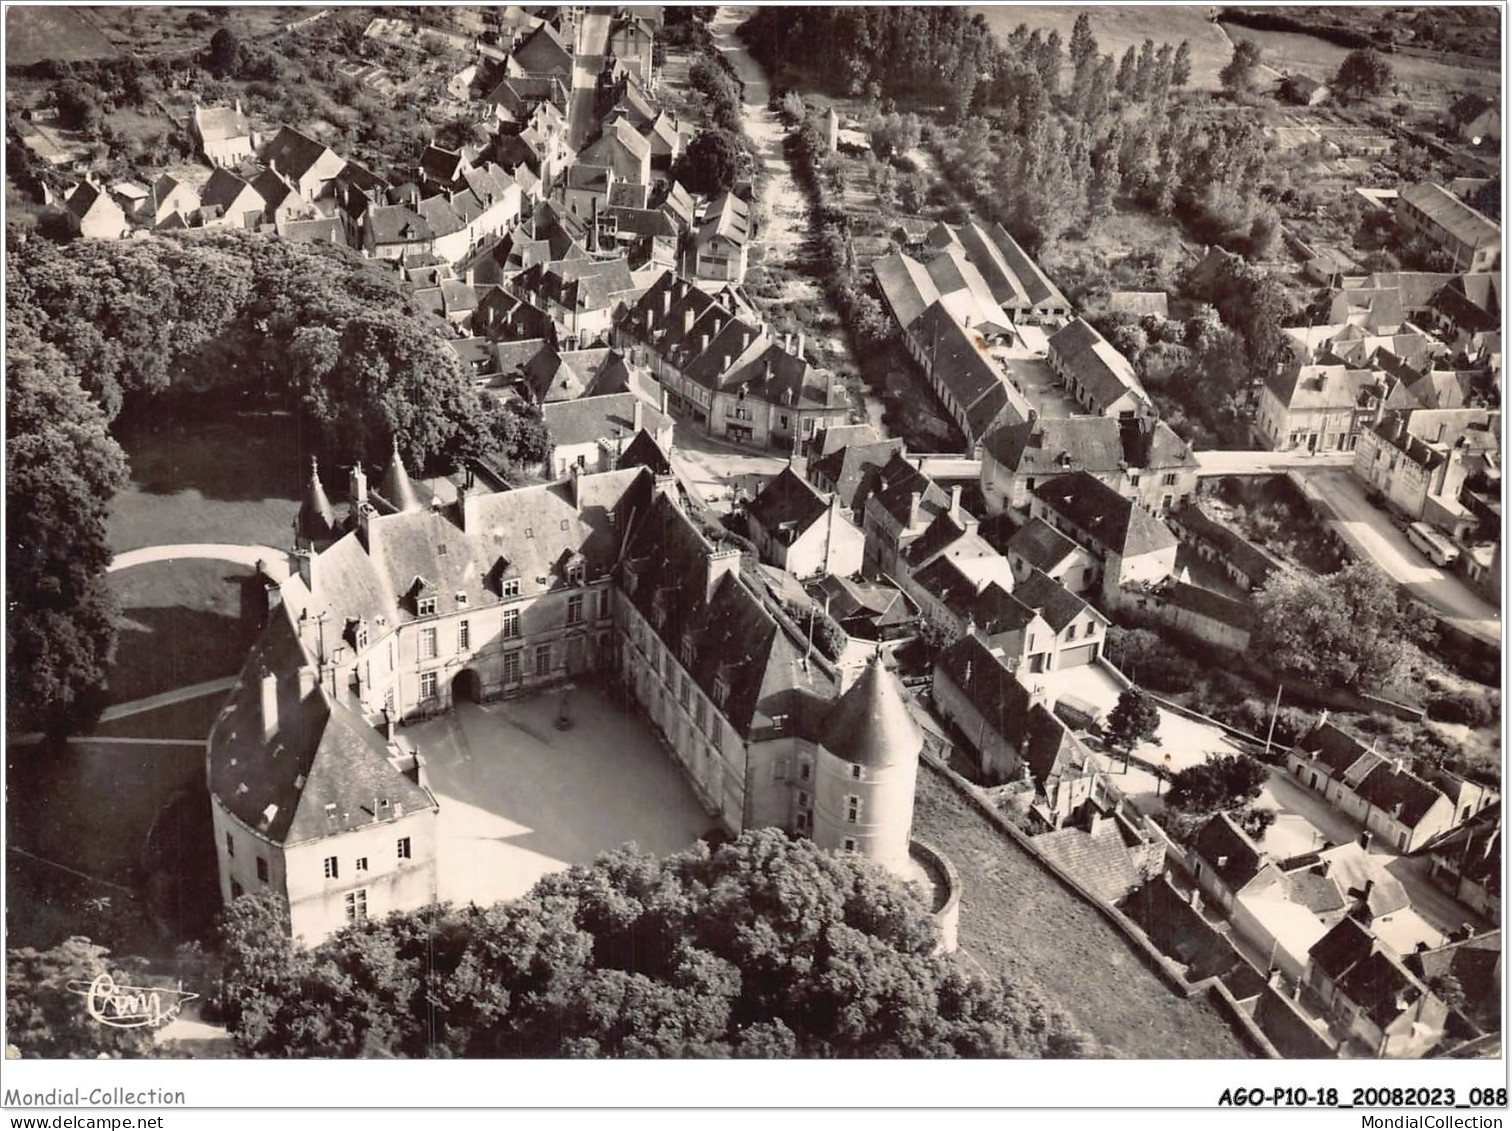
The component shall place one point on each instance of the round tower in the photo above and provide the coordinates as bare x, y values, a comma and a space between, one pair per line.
316, 519
867, 765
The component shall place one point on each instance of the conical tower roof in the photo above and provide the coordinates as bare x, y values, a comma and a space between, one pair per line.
871, 724
397, 488
316, 519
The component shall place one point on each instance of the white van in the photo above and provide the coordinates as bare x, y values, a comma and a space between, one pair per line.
1434, 546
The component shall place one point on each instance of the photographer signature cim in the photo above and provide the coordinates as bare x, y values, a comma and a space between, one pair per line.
130, 1007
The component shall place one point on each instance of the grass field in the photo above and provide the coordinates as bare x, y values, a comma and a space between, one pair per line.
182, 622
172, 31
217, 478
1020, 923
34, 32
1118, 27
1288, 52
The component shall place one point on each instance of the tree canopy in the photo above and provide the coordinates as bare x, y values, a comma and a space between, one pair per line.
44, 1017
1241, 72
711, 163
1363, 74
766, 946
1133, 720
1352, 628
62, 468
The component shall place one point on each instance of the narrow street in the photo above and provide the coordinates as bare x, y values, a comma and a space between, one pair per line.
1213, 464
588, 58
1373, 535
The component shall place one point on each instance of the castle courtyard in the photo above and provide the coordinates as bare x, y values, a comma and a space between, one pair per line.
521, 799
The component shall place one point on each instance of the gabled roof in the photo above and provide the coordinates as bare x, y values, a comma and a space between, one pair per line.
83, 198
787, 505
1452, 214
442, 165
1104, 515
849, 468
295, 153
958, 359
899, 483
1229, 852
224, 188
1104, 372
318, 769
1345, 946
1335, 749
1399, 792
1253, 561
440, 216
217, 123
679, 205
621, 148
397, 223
727, 216
1041, 546
906, 285
607, 417
644, 451
1052, 600
543, 52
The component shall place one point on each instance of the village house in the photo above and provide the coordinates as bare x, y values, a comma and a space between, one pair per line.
802, 531
1020, 289
1475, 118
1373, 1001
1039, 547
900, 506
1302, 90
849, 469
1012, 730
1420, 461
514, 98
723, 371
223, 134
1140, 458
1379, 792
1131, 546
171, 195
1474, 964
93, 215
910, 287
1243, 562
227, 201
866, 610
971, 383
544, 53
394, 231
1472, 240
591, 433
1098, 377
1467, 863
723, 242
131, 196
631, 39
622, 149
1321, 408
582, 296
312, 168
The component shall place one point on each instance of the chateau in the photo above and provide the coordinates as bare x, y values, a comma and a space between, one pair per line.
407, 607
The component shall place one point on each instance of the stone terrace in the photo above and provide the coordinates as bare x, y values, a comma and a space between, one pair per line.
1018, 921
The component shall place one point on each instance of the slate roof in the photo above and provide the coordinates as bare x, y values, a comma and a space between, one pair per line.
736, 644
644, 451
1040, 545
1207, 603
1100, 858
318, 754
1475, 964
1336, 749
541, 367
898, 482
1229, 852
906, 285
871, 725
440, 216
679, 205
1103, 372
1403, 794
882, 605
1104, 515
1052, 600
223, 189
544, 52
441, 165
787, 504
957, 358
587, 419
577, 284
295, 153
1452, 214
1254, 562
1346, 945
642, 222
397, 224
997, 611
622, 149
945, 581
727, 216
1381, 987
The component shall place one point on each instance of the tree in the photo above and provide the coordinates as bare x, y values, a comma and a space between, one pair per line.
1181, 65
1127, 67
763, 946
62, 468
1083, 47
1239, 74
225, 54
1363, 74
1222, 782
1352, 628
1133, 720
45, 1017
711, 163
1487, 199
79, 108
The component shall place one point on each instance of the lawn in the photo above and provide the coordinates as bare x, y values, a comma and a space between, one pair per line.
182, 622
1023, 925
221, 477
89, 827
1117, 28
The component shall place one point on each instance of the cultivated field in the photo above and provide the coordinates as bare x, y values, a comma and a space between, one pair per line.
36, 32
1117, 28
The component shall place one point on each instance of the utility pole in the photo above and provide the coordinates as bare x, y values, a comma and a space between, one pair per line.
1275, 710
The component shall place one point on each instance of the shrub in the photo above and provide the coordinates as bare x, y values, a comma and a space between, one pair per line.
1474, 709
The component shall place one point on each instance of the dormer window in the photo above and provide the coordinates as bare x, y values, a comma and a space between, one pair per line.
425, 606
721, 691
686, 653
511, 587
461, 600
575, 572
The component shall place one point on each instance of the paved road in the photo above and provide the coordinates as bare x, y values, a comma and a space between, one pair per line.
1211, 464
592, 43
276, 560
715, 468
1372, 534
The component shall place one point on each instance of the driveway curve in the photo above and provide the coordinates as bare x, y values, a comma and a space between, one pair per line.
276, 560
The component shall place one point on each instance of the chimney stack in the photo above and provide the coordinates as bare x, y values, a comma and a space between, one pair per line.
357, 486
955, 502
914, 499
269, 705
638, 419
308, 678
